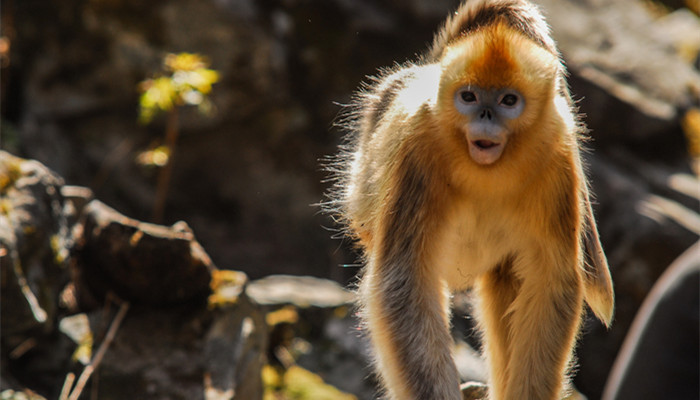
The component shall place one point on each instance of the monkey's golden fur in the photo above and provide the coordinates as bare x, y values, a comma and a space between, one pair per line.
432, 220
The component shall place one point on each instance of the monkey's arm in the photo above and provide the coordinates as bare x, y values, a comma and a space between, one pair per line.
597, 281
405, 303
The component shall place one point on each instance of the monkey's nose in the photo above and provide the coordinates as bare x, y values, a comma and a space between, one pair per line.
486, 113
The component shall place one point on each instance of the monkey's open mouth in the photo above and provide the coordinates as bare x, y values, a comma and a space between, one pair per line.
484, 151
485, 144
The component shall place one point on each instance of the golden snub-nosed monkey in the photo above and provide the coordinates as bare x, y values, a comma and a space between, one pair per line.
463, 170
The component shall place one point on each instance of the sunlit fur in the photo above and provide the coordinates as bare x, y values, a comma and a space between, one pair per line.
431, 220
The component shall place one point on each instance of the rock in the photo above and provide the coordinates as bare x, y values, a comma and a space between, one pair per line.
314, 327
34, 241
77, 198
142, 263
171, 345
474, 391
302, 291
38, 364
236, 344
77, 328
641, 235
634, 83
36, 221
659, 355
338, 352
470, 366
217, 354
187, 352
34, 237
16, 395
480, 391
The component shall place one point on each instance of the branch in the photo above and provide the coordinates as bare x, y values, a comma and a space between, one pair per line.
67, 384
90, 368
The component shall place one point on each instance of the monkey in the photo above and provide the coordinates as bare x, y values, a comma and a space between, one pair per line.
463, 170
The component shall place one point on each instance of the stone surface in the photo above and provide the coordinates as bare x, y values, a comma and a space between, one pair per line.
34, 237
142, 263
314, 325
302, 291
474, 391
187, 353
34, 241
172, 344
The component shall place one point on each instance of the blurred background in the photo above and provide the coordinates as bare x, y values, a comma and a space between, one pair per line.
245, 132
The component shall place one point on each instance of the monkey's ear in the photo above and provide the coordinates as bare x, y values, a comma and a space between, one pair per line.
598, 288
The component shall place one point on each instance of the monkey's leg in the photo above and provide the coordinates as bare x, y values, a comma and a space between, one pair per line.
497, 291
406, 313
544, 322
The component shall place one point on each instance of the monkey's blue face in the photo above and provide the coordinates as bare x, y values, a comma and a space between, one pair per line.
488, 112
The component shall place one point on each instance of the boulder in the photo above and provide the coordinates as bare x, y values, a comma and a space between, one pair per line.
34, 242
190, 330
633, 77
313, 326
34, 239
186, 352
142, 263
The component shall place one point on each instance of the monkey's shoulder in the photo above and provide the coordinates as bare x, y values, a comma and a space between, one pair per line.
395, 94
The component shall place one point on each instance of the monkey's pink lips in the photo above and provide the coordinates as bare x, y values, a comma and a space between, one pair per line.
484, 151
485, 144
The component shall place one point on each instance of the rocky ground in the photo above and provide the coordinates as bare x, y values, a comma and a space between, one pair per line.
245, 177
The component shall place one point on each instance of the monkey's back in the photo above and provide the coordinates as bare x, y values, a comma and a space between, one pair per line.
393, 108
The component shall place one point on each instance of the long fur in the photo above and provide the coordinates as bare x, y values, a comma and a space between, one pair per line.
430, 220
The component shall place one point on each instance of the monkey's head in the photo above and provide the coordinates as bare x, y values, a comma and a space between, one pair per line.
494, 85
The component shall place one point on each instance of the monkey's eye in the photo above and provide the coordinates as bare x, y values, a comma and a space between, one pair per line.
509, 100
467, 96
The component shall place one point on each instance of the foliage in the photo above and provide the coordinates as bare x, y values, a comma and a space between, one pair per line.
297, 383
10, 172
157, 157
226, 287
691, 127
188, 82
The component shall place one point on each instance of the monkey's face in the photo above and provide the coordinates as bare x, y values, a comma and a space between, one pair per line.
493, 87
489, 112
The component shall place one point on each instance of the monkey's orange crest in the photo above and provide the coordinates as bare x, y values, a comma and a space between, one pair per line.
463, 171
